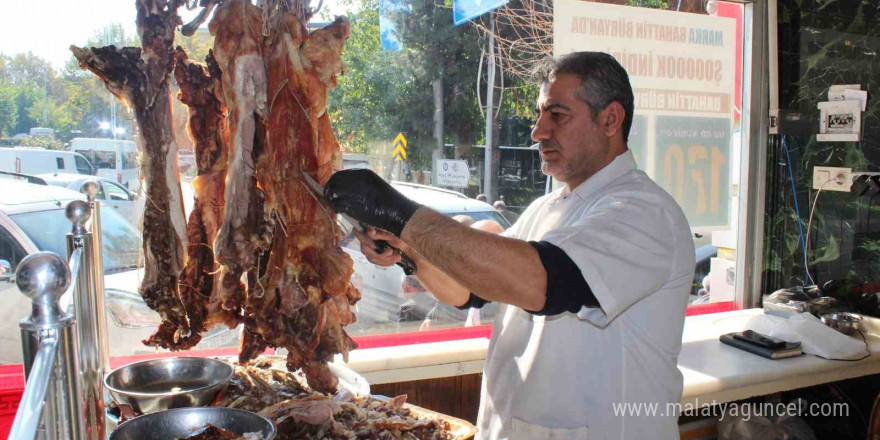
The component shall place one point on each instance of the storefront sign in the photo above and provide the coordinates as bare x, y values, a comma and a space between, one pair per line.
682, 68
454, 173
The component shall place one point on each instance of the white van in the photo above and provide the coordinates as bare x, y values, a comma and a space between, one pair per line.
114, 159
32, 160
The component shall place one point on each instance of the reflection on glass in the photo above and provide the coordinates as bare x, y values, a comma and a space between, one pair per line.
48, 230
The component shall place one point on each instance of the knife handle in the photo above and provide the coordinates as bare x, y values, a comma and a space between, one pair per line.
408, 265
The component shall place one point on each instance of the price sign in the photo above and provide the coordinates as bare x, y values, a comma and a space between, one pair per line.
692, 163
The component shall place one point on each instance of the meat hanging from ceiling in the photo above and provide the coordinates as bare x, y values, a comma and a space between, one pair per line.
139, 77
206, 125
304, 298
262, 248
298, 290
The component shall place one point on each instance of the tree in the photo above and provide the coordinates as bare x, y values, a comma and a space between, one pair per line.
8, 112
46, 142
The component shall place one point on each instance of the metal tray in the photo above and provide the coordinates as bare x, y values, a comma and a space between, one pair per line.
460, 429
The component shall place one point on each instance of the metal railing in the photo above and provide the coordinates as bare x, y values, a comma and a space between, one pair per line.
65, 349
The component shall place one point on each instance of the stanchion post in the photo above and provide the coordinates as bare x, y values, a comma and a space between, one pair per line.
48, 339
90, 319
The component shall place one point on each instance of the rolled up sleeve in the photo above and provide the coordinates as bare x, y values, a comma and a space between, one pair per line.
624, 249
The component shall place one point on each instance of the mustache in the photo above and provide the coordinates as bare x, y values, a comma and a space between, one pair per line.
546, 146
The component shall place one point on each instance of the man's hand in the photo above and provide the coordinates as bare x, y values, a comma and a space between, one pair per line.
388, 257
367, 198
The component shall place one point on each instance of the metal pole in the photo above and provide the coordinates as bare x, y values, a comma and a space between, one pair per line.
490, 114
90, 188
49, 349
89, 311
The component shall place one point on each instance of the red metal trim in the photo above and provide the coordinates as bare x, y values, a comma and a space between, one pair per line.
705, 309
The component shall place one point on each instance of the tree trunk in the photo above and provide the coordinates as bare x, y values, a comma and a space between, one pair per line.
437, 154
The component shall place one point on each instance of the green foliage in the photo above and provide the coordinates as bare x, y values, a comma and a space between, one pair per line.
655, 4
383, 93
8, 112
72, 101
46, 142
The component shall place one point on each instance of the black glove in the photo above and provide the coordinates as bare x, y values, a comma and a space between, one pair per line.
367, 198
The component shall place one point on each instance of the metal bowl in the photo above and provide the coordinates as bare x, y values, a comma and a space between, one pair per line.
846, 323
160, 384
182, 422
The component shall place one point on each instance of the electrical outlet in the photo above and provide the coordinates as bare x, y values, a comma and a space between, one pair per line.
822, 175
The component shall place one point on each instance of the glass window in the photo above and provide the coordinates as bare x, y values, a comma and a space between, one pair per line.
10, 251
48, 229
82, 165
59, 161
428, 90
116, 192
129, 161
103, 159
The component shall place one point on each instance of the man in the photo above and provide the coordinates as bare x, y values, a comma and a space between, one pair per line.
508, 215
595, 275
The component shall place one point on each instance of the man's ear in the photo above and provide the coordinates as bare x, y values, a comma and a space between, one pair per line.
611, 118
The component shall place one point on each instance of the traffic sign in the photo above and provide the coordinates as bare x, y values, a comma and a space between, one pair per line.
399, 144
455, 173
464, 10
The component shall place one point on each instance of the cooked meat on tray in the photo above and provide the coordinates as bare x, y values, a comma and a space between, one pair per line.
320, 417
255, 386
299, 413
259, 248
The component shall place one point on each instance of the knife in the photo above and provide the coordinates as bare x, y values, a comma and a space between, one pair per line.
348, 224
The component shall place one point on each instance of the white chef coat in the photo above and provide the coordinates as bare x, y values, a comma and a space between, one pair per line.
559, 377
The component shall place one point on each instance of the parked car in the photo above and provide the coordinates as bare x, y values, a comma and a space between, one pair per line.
114, 159
110, 193
32, 219
32, 160
382, 287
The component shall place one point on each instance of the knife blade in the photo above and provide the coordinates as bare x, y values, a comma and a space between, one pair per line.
349, 224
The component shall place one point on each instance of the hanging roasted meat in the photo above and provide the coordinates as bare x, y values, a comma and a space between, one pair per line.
139, 77
206, 124
245, 233
302, 299
263, 250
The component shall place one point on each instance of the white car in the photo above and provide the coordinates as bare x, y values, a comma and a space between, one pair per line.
111, 194
32, 219
382, 287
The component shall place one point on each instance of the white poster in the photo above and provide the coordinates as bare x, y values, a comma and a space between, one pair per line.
454, 173
682, 68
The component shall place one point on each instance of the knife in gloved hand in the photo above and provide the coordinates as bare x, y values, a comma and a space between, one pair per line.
348, 224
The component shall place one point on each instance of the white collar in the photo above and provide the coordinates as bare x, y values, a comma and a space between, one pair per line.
621, 165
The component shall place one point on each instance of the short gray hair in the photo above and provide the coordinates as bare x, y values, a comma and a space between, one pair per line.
603, 81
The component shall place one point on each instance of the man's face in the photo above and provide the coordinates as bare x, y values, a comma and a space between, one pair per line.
573, 145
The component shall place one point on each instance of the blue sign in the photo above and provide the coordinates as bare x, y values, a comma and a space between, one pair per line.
464, 10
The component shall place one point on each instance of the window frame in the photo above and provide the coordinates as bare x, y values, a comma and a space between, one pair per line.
753, 176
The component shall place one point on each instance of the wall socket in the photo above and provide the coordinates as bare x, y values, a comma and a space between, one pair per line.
821, 175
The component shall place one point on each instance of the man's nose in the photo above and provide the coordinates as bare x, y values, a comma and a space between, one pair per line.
541, 131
